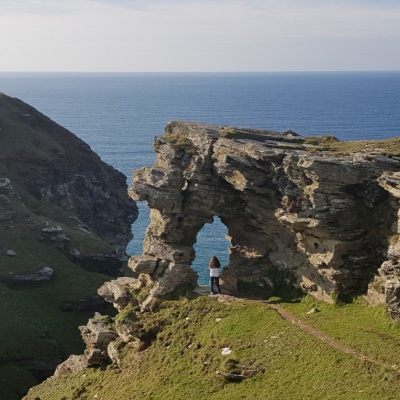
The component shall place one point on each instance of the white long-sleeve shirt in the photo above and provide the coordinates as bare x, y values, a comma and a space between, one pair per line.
214, 272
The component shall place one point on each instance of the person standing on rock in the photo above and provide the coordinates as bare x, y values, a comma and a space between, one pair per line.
214, 266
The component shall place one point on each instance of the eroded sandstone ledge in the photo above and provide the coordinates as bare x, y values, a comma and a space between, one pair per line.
325, 223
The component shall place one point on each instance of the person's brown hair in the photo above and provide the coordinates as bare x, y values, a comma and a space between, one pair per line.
214, 262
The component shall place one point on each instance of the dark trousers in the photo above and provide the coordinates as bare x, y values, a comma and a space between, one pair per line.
216, 280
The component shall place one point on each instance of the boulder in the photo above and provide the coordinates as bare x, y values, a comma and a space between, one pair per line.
97, 335
143, 264
29, 280
5, 185
53, 234
73, 364
118, 291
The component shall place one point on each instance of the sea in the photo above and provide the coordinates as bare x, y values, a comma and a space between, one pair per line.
119, 114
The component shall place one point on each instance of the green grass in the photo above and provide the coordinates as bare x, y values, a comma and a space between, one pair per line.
336, 147
31, 317
15, 381
32, 320
369, 330
181, 142
185, 353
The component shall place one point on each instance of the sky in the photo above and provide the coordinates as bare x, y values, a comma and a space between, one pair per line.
199, 35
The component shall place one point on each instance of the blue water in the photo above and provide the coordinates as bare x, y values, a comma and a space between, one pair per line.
118, 115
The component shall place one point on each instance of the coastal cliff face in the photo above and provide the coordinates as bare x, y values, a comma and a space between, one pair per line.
50, 172
65, 221
298, 213
311, 213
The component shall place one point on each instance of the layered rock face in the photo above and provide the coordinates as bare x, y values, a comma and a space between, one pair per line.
295, 216
47, 170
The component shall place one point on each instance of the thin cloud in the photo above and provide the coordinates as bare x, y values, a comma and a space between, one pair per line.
198, 35
33, 6
76, 6
258, 4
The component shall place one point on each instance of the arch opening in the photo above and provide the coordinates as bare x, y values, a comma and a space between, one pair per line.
211, 241
139, 227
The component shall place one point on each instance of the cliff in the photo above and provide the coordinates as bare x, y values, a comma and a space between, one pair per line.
65, 221
311, 214
316, 214
55, 174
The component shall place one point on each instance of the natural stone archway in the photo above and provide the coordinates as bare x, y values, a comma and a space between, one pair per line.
211, 240
315, 221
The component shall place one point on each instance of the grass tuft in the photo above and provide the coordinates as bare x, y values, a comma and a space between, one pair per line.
329, 143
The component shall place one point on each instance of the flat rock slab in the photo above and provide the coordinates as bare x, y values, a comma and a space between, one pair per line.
94, 303
202, 290
28, 280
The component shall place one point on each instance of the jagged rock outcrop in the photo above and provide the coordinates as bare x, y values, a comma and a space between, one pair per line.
50, 172
105, 336
73, 364
119, 291
97, 336
296, 215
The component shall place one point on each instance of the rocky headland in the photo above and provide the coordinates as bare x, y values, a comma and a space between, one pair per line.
65, 221
316, 214
311, 215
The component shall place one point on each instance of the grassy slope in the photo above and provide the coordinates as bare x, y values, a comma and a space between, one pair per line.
368, 330
31, 318
182, 361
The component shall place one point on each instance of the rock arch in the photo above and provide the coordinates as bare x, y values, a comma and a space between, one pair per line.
312, 220
211, 240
